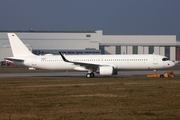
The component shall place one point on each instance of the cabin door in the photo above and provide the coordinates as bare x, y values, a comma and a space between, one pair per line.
155, 59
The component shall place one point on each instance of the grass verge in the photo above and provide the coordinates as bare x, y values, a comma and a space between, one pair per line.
93, 99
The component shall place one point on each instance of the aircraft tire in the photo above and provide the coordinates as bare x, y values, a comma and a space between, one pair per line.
161, 76
92, 75
88, 75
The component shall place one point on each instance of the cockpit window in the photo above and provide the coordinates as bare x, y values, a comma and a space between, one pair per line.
165, 59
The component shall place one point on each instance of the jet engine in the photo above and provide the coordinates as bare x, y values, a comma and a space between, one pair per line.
107, 70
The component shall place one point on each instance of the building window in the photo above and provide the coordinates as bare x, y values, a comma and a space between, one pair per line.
151, 49
167, 51
118, 49
135, 49
102, 49
88, 35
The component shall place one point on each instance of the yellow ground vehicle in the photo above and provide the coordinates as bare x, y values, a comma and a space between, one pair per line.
166, 75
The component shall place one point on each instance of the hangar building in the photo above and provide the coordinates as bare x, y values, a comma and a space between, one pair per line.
92, 42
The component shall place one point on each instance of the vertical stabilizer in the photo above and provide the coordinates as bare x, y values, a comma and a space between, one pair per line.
17, 46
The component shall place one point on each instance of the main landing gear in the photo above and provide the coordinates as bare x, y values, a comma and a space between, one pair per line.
90, 75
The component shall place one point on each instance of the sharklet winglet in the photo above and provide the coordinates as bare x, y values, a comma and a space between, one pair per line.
63, 57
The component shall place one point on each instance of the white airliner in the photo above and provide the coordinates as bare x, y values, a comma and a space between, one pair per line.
101, 64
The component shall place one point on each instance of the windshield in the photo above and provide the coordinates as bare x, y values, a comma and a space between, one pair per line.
165, 59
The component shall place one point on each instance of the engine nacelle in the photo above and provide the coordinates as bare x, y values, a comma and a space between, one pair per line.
107, 70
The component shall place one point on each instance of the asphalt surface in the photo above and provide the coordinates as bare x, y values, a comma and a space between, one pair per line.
81, 74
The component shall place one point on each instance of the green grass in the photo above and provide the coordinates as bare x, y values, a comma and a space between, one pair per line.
91, 99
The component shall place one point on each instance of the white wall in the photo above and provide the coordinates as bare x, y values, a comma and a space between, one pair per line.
140, 50
172, 53
59, 40
129, 49
139, 39
5, 52
146, 50
110, 50
162, 50
156, 50
123, 50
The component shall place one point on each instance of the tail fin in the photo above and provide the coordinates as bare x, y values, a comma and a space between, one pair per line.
17, 46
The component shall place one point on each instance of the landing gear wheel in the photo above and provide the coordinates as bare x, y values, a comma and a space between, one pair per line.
90, 75
161, 76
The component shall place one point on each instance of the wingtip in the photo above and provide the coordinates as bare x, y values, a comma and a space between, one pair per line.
63, 57
60, 53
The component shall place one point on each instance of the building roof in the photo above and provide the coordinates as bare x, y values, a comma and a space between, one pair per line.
42, 31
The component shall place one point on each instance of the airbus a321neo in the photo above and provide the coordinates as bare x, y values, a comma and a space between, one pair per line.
101, 64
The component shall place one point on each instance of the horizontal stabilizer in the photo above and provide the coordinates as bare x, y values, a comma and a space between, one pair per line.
14, 60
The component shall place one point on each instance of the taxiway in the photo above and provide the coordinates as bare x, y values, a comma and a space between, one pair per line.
81, 74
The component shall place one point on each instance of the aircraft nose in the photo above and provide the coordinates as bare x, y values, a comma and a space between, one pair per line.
171, 64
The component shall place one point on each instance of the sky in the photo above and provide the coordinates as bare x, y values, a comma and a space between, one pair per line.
114, 17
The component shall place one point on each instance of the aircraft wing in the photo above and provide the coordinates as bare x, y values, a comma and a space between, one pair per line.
86, 65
